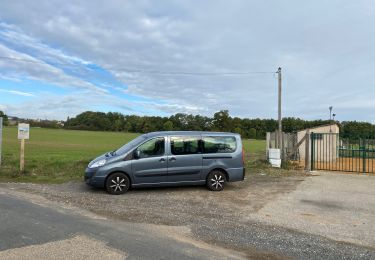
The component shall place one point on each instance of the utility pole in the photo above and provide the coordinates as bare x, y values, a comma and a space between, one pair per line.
330, 119
279, 113
330, 113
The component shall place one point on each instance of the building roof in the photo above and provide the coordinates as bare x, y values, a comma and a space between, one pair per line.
320, 126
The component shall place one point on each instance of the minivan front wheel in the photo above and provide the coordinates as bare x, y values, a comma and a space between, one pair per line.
117, 183
215, 180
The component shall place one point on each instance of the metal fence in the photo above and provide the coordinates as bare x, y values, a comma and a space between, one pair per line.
329, 151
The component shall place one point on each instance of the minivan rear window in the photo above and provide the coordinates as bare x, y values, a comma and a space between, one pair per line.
184, 145
219, 144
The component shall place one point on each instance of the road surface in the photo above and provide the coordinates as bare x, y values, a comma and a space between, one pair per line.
29, 230
51, 221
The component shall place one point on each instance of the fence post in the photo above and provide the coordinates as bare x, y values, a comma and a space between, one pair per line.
364, 156
268, 139
277, 139
307, 151
282, 155
312, 151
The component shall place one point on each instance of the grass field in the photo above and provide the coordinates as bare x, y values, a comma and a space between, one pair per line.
55, 155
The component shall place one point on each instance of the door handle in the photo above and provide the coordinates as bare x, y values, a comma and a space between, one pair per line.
172, 159
162, 160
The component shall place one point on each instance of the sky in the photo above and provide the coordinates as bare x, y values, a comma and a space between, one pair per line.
58, 59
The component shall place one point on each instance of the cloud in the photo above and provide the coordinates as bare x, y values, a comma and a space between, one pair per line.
325, 49
29, 58
52, 106
19, 93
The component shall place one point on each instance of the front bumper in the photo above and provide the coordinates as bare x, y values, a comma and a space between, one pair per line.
91, 179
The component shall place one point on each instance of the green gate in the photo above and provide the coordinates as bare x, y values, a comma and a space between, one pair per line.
331, 152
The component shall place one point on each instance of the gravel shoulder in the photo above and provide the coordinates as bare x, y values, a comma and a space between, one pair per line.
233, 218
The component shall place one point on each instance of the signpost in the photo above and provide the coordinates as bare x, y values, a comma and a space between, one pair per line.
23, 133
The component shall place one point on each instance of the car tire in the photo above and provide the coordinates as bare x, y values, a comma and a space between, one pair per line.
117, 183
215, 180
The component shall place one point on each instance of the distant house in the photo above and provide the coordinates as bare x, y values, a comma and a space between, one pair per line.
60, 123
12, 120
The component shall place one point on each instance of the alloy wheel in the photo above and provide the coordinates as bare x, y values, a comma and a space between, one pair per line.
217, 181
118, 184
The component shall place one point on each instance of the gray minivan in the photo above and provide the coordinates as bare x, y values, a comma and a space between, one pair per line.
169, 159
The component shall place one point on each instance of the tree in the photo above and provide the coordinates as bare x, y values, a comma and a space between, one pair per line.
238, 130
127, 127
168, 126
252, 134
222, 121
118, 125
5, 118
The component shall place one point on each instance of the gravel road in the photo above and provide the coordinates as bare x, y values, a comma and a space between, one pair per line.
338, 206
220, 218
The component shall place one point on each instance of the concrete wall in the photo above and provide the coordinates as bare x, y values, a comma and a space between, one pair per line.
329, 141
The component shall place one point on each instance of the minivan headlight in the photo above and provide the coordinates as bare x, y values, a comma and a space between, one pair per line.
97, 164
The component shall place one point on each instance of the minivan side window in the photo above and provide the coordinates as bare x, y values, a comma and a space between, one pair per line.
184, 145
152, 148
219, 144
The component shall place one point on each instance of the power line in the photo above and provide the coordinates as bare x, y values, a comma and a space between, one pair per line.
195, 73
158, 72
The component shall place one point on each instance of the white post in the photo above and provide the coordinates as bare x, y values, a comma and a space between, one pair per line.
22, 155
23, 133
268, 140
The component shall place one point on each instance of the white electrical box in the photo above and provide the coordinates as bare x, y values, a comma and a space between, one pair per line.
274, 157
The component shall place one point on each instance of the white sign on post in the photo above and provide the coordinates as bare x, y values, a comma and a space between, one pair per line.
23, 131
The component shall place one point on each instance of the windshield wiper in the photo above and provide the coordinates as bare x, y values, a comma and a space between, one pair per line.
110, 153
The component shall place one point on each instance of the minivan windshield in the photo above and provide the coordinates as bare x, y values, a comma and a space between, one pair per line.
135, 142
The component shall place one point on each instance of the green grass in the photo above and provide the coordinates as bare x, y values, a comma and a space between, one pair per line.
56, 155
255, 149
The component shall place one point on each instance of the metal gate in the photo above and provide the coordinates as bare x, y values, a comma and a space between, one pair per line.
331, 152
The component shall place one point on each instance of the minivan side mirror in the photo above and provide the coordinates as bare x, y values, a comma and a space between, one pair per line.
137, 154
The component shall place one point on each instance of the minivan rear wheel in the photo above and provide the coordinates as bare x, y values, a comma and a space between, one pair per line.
215, 180
117, 183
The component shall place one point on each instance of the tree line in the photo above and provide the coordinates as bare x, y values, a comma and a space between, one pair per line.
220, 121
